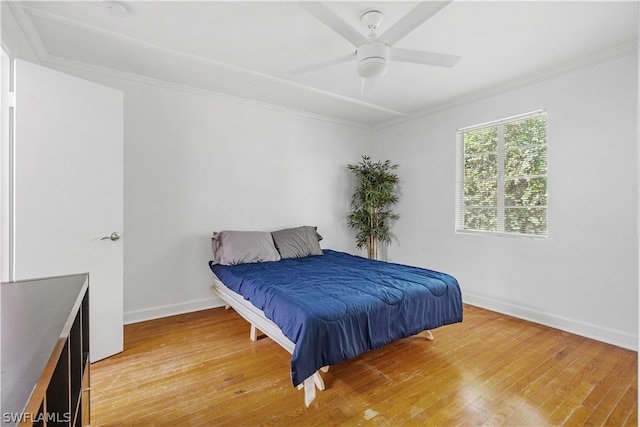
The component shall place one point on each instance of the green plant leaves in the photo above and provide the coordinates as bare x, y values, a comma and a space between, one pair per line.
371, 215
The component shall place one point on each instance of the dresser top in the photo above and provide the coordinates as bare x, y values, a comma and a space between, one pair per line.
37, 316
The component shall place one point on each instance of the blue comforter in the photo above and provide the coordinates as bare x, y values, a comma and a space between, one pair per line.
336, 306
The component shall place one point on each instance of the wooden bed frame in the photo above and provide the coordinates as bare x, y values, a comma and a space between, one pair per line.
259, 321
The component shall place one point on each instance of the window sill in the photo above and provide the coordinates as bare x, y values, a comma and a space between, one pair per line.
501, 234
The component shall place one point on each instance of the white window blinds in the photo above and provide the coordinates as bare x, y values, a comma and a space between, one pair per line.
501, 183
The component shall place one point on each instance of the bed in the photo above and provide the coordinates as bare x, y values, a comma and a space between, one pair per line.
326, 306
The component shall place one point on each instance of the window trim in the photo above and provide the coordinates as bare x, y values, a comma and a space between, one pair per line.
460, 206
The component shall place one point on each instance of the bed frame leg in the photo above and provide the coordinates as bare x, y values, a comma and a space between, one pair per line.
310, 385
317, 380
428, 335
255, 333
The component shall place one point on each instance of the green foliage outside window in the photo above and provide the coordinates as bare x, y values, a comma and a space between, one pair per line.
505, 177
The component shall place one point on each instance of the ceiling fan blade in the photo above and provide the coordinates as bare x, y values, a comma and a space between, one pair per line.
420, 57
412, 20
323, 64
333, 21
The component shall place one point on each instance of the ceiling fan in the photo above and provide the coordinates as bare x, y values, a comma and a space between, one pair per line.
373, 53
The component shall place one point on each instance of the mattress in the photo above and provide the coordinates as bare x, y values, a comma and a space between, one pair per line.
336, 306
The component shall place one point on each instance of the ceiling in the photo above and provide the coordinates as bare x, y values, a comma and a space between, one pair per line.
246, 49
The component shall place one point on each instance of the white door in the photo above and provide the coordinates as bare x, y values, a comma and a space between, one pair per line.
68, 190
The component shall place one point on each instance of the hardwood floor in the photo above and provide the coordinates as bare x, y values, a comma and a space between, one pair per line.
202, 369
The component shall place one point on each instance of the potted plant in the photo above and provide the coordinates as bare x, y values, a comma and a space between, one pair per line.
371, 215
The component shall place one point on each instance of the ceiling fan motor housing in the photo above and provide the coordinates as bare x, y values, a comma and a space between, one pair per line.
372, 59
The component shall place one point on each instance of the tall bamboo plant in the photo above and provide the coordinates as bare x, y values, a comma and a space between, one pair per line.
371, 215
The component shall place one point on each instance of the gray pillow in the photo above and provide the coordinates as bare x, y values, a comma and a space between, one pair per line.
297, 242
243, 247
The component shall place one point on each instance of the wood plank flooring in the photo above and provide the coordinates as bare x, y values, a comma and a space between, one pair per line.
201, 369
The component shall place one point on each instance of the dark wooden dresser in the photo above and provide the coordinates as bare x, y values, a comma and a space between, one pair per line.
45, 351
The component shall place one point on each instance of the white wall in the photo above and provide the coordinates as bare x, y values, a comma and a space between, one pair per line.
196, 163
5, 168
14, 44
584, 277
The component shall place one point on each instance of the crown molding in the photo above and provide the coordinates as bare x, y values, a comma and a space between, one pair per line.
17, 8
549, 73
63, 64
26, 11
22, 12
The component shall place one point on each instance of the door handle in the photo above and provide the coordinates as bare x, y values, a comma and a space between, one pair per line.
114, 236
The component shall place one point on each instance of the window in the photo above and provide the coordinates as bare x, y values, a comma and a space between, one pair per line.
501, 183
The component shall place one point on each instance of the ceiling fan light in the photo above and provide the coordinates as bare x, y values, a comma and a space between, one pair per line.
372, 59
372, 67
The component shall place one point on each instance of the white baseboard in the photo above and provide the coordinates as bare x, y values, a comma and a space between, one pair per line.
610, 336
136, 316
